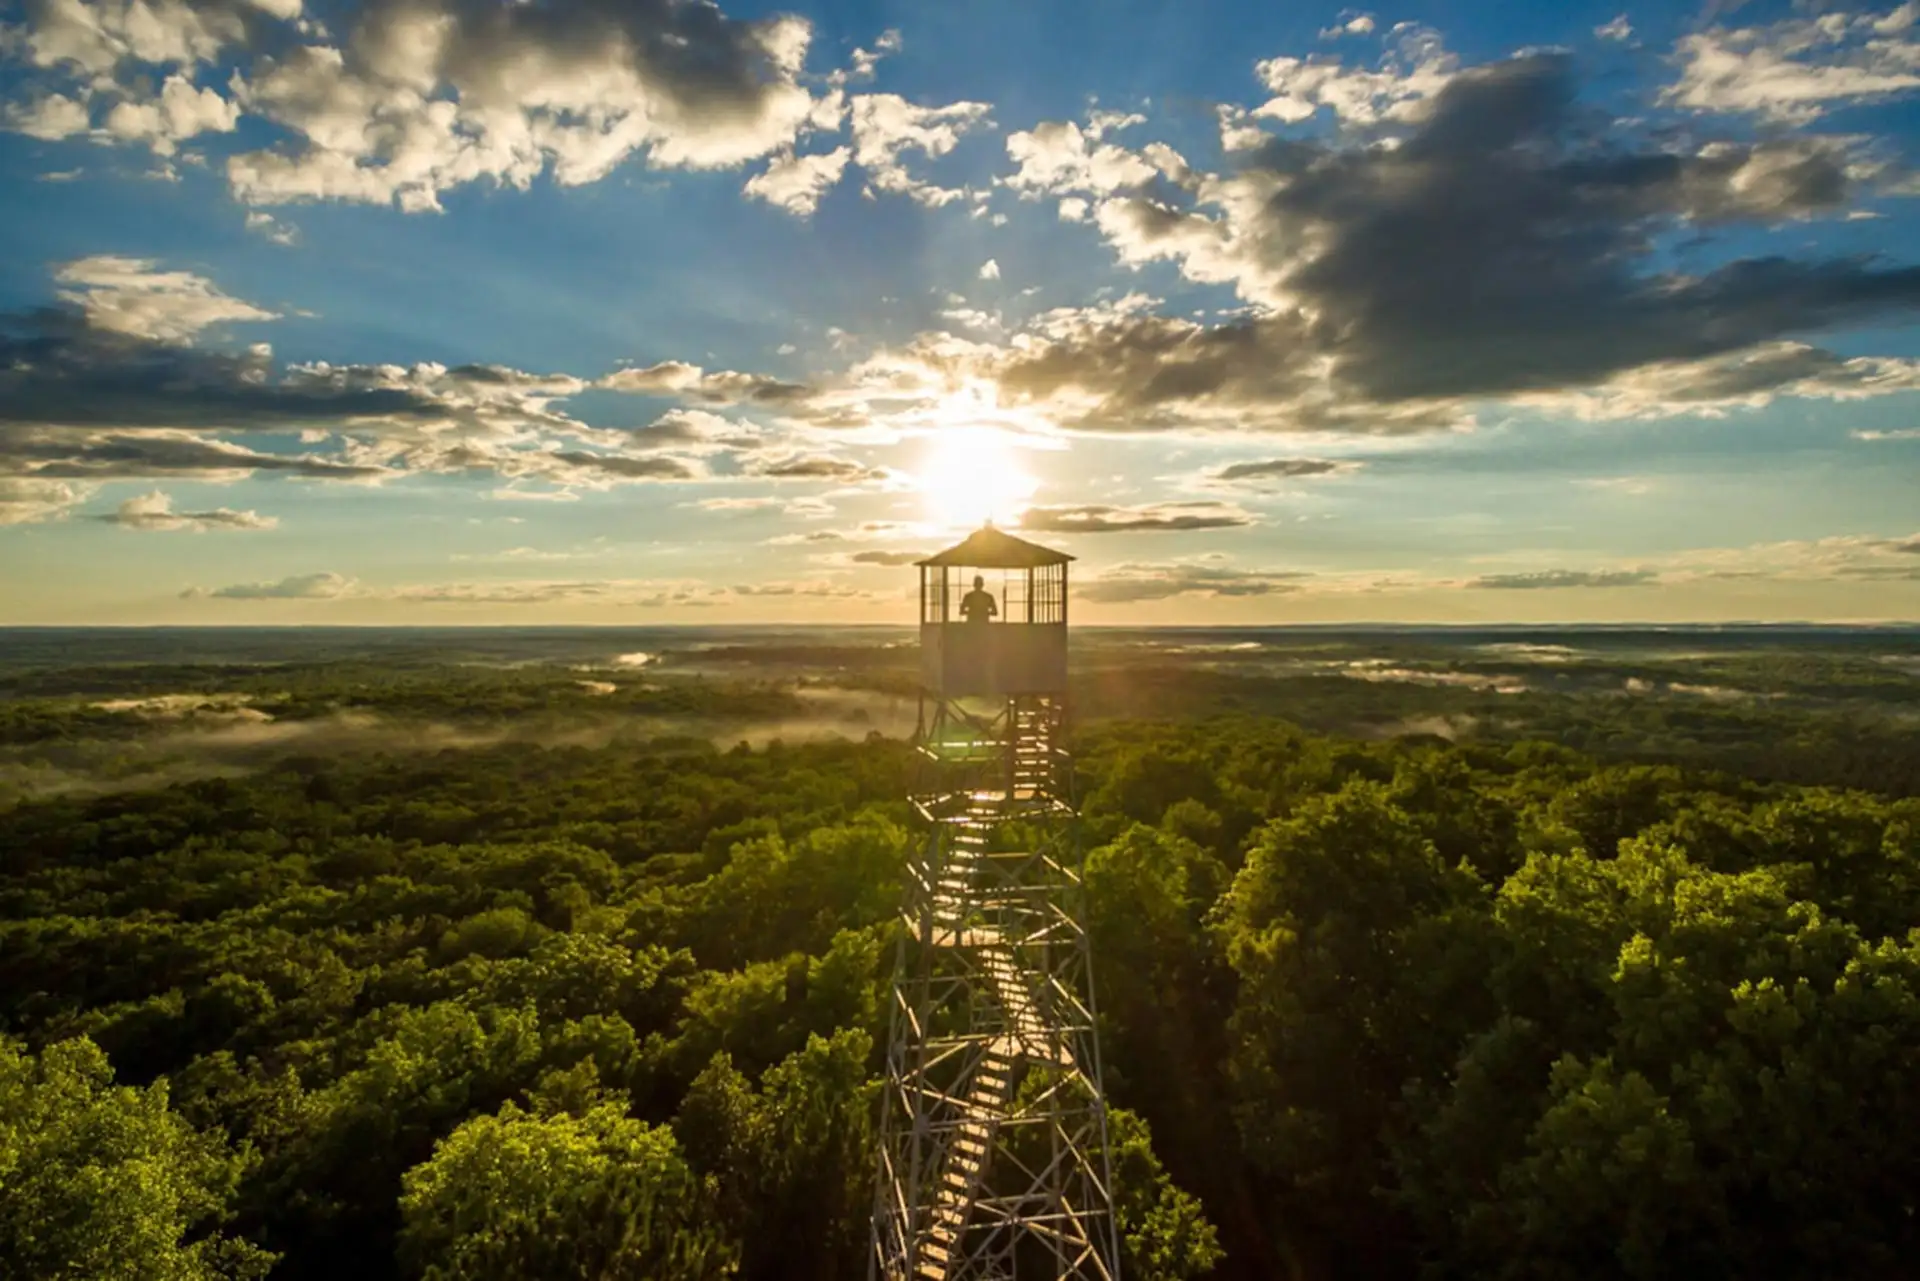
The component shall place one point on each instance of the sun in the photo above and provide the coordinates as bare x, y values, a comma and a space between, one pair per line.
971, 469
972, 474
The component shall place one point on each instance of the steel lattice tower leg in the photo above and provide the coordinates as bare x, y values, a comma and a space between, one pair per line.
993, 1138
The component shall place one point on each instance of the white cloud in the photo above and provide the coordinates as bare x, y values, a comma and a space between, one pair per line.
811, 507
265, 224
530, 555
132, 296
515, 494
1101, 123
111, 53
716, 387
49, 117
795, 183
1616, 29
865, 61
1840, 558
180, 111
737, 503
818, 587
1401, 89
1350, 24
972, 318
1631, 486
990, 270
155, 511
1058, 156
886, 126
1796, 70
1747, 379
94, 37
27, 499
1237, 132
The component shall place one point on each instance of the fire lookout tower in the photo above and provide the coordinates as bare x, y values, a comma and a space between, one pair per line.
993, 1158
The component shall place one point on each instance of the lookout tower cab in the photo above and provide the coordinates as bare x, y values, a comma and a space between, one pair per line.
993, 618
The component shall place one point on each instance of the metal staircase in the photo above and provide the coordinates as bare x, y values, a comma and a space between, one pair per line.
993, 1159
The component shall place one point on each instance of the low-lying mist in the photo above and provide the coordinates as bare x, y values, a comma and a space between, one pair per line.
194, 738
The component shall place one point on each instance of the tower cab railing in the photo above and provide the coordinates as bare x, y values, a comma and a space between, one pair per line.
993, 618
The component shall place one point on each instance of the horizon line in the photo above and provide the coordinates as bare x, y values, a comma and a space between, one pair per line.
1853, 624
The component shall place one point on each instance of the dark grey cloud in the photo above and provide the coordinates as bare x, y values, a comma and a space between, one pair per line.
813, 467
730, 388
1881, 573
706, 387
518, 593
155, 511
1511, 244
1097, 518
132, 457
500, 91
642, 593
816, 588
695, 430
1549, 578
57, 371
1128, 584
324, 585
86, 397
865, 531
1501, 249
621, 592
891, 559
649, 467
1284, 469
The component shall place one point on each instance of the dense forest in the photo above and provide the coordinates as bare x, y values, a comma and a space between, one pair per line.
1375, 1004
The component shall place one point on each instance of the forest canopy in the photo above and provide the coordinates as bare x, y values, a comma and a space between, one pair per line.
1373, 1006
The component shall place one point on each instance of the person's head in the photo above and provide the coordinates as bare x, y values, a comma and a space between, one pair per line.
979, 581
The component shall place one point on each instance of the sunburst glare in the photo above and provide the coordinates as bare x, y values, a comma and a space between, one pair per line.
971, 474
971, 470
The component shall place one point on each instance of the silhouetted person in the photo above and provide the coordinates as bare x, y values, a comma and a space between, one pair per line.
977, 606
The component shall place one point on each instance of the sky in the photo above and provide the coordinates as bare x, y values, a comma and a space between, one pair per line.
647, 311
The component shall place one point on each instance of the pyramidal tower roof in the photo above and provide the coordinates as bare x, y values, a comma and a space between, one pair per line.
990, 548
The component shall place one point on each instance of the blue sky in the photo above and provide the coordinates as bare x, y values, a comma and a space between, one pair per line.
438, 312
